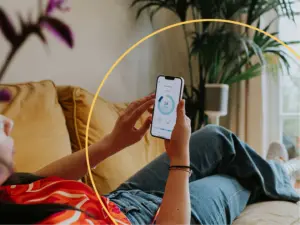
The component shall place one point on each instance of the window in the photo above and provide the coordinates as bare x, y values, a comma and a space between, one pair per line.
290, 113
289, 91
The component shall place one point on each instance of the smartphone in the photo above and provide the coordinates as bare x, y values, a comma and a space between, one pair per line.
167, 96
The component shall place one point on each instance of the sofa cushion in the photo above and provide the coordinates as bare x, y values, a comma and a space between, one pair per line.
270, 213
40, 131
110, 173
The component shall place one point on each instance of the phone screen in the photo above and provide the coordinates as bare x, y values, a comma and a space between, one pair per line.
168, 94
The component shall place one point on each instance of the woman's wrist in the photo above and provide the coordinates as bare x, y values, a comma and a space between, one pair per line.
185, 169
103, 149
111, 144
180, 161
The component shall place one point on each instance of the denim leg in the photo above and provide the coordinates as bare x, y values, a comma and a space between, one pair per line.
217, 200
138, 206
215, 150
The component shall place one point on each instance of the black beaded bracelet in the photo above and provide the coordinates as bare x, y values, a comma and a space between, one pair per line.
182, 167
186, 169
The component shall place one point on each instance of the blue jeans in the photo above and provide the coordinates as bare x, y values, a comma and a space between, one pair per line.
227, 176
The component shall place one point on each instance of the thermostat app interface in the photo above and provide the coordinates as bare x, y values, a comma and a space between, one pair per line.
168, 93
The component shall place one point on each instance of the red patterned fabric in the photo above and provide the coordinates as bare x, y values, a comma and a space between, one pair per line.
79, 195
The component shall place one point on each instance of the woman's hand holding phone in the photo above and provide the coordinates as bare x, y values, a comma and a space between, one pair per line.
176, 206
177, 147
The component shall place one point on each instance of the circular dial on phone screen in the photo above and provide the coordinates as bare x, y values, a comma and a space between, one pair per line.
166, 104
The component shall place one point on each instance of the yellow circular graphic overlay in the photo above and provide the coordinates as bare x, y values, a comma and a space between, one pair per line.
132, 48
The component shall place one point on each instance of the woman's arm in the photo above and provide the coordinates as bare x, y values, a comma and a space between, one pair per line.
74, 166
175, 207
123, 135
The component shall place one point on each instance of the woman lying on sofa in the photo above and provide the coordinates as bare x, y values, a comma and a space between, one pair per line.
227, 175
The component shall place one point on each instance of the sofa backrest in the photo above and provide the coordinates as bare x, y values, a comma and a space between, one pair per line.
40, 132
50, 122
76, 104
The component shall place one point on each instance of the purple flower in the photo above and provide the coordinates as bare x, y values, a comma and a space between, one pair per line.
57, 4
60, 31
5, 95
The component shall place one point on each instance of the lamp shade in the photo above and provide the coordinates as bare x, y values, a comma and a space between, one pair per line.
216, 101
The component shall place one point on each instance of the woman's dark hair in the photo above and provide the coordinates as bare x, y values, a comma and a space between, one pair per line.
12, 213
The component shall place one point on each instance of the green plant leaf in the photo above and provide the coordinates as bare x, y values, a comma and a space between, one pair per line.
147, 6
283, 58
181, 9
153, 12
185, 93
250, 73
276, 44
136, 2
178, 7
251, 12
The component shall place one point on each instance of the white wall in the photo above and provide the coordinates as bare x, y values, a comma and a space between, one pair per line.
103, 30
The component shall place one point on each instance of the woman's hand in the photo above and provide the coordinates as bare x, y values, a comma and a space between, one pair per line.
178, 147
125, 133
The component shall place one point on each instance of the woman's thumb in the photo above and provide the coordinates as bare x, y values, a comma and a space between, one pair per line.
181, 108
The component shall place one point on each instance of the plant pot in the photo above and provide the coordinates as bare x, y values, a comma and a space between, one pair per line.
216, 101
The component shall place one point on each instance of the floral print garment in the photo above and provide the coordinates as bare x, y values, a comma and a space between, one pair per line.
74, 193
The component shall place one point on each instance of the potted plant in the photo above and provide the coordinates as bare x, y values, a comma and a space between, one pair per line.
45, 21
224, 55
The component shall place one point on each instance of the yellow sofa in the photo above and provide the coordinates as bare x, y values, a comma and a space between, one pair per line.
50, 122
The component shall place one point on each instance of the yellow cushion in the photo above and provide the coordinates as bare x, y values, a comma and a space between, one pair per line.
110, 173
40, 131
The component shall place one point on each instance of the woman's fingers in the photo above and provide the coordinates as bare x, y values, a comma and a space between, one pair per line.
181, 111
6, 125
144, 128
167, 143
138, 112
134, 105
150, 110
